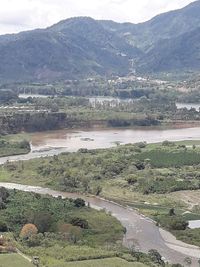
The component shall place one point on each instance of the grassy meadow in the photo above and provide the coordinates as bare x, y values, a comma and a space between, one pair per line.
112, 262
14, 260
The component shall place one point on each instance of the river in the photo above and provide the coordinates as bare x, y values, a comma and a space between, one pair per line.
141, 230
55, 142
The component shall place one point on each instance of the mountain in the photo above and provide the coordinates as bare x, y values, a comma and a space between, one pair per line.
169, 41
180, 53
165, 26
83, 47
70, 49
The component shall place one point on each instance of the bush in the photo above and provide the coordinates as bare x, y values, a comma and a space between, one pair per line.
131, 179
141, 144
167, 143
82, 223
156, 257
24, 145
35, 240
173, 222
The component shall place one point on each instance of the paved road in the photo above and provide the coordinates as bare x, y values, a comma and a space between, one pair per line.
141, 231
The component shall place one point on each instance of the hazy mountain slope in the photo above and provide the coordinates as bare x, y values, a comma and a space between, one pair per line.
82, 47
165, 26
69, 49
179, 53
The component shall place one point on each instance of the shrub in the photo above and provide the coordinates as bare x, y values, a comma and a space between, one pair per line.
141, 144
24, 145
156, 257
34, 240
82, 223
167, 143
173, 222
131, 179
3, 226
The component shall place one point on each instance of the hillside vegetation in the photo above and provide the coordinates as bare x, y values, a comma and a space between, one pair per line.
57, 230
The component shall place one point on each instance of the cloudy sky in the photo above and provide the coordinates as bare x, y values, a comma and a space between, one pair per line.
18, 15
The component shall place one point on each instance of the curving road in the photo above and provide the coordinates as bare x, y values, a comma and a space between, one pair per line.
141, 230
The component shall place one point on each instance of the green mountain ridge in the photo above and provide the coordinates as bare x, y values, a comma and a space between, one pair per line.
84, 47
180, 53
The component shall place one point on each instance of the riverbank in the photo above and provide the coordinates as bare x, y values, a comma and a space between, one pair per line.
68, 228
118, 173
142, 174
139, 228
57, 141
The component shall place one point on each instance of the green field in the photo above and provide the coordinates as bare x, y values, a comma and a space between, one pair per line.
113, 262
13, 260
14, 145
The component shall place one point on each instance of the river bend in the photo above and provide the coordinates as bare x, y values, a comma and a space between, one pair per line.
141, 230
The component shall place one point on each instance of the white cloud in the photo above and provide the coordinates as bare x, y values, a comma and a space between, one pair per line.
18, 15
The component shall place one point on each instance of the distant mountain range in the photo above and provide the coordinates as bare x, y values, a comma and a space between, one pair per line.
83, 47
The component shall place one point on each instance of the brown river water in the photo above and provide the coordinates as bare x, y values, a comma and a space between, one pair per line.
55, 142
140, 230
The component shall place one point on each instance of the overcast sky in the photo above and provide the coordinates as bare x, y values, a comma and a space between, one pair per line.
18, 15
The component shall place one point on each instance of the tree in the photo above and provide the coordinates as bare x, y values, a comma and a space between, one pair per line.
172, 212
3, 194
28, 230
3, 226
79, 202
43, 221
